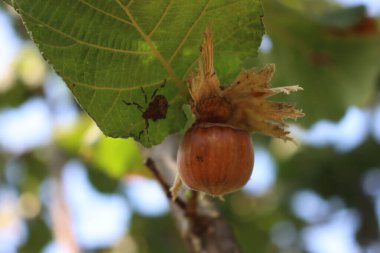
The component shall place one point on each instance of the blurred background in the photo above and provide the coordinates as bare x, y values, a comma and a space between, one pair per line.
64, 187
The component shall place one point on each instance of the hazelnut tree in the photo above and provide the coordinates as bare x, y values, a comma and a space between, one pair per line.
149, 70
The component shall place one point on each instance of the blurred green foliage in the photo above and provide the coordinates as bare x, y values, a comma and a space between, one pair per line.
333, 55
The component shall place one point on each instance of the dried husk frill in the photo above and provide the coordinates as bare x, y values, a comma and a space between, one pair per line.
244, 103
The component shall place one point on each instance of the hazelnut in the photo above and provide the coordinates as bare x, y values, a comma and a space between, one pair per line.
215, 158
216, 154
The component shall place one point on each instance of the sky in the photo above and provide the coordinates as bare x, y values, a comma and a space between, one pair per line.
373, 6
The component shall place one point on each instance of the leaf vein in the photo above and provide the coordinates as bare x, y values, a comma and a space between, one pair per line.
115, 100
153, 48
78, 41
223, 6
106, 88
59, 46
92, 99
191, 66
105, 13
130, 3
234, 31
165, 13
189, 31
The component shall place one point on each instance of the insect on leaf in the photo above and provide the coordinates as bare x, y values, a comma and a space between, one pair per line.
108, 52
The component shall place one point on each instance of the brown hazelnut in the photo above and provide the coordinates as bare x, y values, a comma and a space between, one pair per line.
215, 158
216, 154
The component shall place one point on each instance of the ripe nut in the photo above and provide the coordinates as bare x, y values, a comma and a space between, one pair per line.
216, 154
215, 158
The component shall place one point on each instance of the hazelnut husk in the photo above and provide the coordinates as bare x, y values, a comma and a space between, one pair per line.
216, 153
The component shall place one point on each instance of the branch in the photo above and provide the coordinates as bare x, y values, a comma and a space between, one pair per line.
199, 221
59, 210
165, 186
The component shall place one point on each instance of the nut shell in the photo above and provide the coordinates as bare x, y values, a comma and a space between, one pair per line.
215, 158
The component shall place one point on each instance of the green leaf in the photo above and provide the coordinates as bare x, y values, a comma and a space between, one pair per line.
102, 181
116, 157
336, 68
107, 51
189, 116
39, 235
71, 140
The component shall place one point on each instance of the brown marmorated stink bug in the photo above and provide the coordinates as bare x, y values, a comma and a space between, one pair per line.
155, 109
